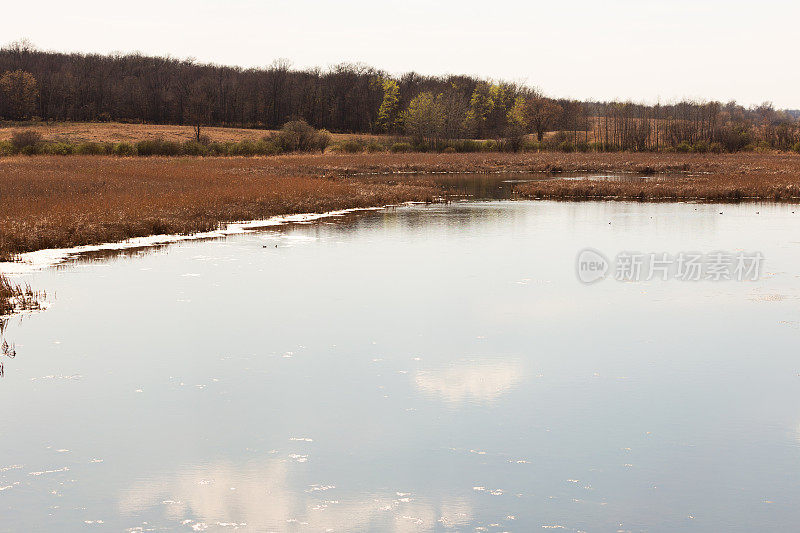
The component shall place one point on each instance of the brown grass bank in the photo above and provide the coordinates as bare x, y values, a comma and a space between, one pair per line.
62, 201
703, 178
54, 202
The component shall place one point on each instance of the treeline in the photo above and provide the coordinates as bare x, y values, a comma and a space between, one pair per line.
433, 111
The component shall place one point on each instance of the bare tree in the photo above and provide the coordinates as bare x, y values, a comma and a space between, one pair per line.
20, 92
198, 105
542, 114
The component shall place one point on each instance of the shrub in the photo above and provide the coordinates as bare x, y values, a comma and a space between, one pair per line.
147, 148
6, 148
734, 138
171, 148
374, 146
700, 147
716, 148
683, 147
449, 150
25, 139
489, 146
59, 148
216, 148
795, 148
124, 149
322, 140
31, 149
401, 148
349, 146
299, 136
90, 148
762, 147
466, 145
419, 145
583, 146
245, 147
566, 146
194, 148
266, 147
158, 147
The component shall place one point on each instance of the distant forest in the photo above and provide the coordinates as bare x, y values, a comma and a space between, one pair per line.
354, 98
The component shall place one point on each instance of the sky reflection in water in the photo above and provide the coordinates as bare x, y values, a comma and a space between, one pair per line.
420, 368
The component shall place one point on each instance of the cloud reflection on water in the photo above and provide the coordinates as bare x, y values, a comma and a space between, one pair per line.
475, 380
261, 497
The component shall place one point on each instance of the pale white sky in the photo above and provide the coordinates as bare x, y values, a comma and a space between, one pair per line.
642, 50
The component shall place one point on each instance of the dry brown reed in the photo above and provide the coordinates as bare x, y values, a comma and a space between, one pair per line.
62, 201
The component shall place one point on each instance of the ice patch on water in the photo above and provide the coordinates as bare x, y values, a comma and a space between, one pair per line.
41, 259
43, 472
52, 376
317, 488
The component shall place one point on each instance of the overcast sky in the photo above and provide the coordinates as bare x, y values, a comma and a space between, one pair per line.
644, 50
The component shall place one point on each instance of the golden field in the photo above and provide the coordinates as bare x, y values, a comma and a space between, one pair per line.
78, 132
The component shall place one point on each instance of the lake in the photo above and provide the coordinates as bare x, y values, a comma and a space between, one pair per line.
418, 368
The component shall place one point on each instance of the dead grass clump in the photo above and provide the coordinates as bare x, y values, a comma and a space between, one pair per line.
15, 298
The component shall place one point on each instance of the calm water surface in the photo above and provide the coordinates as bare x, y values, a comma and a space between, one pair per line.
420, 368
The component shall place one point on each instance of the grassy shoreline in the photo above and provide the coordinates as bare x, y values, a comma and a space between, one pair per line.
65, 201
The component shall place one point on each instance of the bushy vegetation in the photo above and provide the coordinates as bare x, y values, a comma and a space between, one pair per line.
295, 136
21, 140
401, 147
298, 136
349, 146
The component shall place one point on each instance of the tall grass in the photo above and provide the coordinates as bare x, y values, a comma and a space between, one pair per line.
17, 297
51, 202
